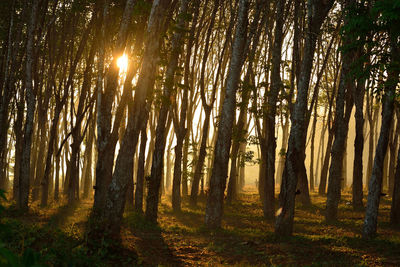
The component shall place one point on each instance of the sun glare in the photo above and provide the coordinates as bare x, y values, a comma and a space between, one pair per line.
122, 63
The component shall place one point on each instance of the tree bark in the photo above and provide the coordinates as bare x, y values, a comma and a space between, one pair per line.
358, 146
87, 175
19, 136
198, 169
23, 196
270, 115
107, 136
317, 11
344, 105
393, 144
162, 130
375, 185
109, 222
140, 177
395, 209
214, 208
240, 128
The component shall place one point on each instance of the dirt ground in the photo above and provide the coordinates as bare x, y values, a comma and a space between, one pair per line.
246, 239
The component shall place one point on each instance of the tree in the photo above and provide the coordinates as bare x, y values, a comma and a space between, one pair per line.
270, 114
109, 221
317, 11
214, 208
208, 105
107, 133
344, 105
162, 130
23, 195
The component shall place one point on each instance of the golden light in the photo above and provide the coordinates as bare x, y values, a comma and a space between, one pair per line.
122, 63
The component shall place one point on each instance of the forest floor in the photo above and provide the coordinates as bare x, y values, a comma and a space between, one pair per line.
246, 239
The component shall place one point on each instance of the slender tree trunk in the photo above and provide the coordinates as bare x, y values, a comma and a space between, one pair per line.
168, 174
18, 143
6, 90
282, 152
270, 139
107, 137
214, 208
395, 209
386, 162
176, 182
240, 129
295, 155
314, 127
87, 179
198, 171
57, 178
40, 163
48, 166
23, 195
140, 169
373, 120
161, 131
325, 165
358, 146
344, 104
375, 185
393, 148
34, 149
111, 216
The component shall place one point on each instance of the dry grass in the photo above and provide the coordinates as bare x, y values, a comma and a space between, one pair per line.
248, 240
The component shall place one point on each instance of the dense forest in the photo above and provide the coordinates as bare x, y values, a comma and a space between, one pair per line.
203, 132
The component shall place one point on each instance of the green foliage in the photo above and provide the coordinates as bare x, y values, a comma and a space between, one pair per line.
248, 157
29, 258
24, 244
42, 246
141, 8
138, 222
7, 258
372, 27
253, 140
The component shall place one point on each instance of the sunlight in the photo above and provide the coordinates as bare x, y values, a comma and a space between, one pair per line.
122, 63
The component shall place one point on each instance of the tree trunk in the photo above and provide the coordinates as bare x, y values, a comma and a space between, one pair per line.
314, 127
23, 195
18, 143
375, 185
241, 127
393, 148
395, 209
107, 137
176, 182
318, 10
57, 178
140, 169
372, 121
358, 146
40, 162
161, 131
270, 139
50, 149
168, 166
87, 178
109, 221
214, 208
198, 171
344, 105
